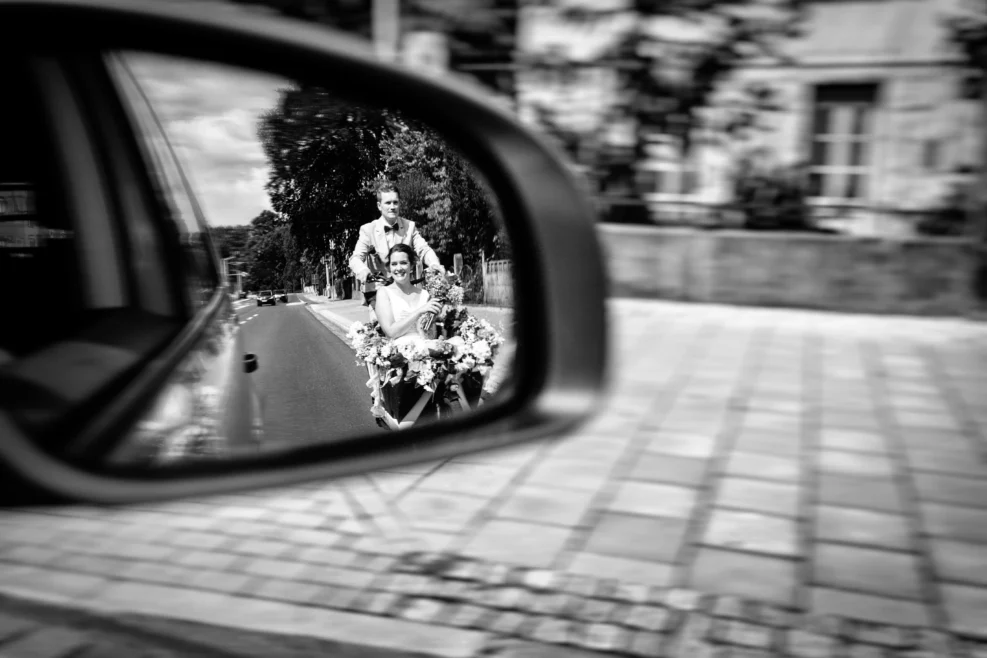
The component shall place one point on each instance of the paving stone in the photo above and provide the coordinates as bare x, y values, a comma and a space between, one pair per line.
637, 537
758, 496
513, 598
409, 584
951, 489
766, 614
423, 610
730, 607
858, 526
865, 651
571, 474
764, 442
867, 607
51, 642
855, 491
960, 562
966, 608
763, 466
579, 585
471, 616
513, 542
646, 573
341, 598
764, 578
693, 638
744, 634
632, 592
648, 618
752, 532
686, 600
380, 603
496, 574
645, 644
13, 625
547, 505
275, 568
509, 623
670, 469
960, 523
885, 635
209, 559
853, 440
953, 462
466, 569
597, 610
330, 575
803, 644
604, 637
936, 641
286, 590
682, 445
551, 630
541, 579
855, 463
867, 570
650, 499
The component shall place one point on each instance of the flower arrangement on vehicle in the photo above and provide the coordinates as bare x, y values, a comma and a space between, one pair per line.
461, 353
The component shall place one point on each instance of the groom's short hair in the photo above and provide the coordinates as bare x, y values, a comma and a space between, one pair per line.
386, 186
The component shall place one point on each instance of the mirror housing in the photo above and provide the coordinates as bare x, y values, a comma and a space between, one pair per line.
560, 279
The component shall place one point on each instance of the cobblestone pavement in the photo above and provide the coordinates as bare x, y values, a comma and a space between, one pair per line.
762, 482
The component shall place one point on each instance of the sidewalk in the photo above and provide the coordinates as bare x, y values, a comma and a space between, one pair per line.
762, 482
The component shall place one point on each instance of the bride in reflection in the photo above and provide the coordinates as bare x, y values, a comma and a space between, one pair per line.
401, 304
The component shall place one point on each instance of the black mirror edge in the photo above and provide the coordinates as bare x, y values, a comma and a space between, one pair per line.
560, 309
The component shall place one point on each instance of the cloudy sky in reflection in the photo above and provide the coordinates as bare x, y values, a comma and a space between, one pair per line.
210, 114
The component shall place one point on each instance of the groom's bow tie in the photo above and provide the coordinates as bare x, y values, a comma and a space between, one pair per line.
388, 228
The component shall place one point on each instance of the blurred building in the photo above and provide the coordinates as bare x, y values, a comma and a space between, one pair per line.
873, 101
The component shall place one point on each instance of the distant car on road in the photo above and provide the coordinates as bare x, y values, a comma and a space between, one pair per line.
282, 296
242, 294
266, 297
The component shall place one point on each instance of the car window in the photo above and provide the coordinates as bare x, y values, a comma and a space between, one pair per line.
199, 259
53, 273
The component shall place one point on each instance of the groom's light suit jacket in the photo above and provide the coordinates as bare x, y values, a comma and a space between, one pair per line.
373, 244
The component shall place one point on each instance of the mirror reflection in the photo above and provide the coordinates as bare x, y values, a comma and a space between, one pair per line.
367, 274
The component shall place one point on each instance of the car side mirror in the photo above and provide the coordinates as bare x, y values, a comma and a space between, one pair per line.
115, 441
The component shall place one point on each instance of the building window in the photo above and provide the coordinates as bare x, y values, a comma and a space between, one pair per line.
842, 141
665, 173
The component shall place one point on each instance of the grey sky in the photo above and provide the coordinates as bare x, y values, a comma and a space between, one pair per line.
210, 114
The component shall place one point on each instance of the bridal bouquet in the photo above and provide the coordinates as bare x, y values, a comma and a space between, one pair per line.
442, 290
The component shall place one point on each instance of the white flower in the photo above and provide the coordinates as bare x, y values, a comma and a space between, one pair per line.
481, 350
458, 346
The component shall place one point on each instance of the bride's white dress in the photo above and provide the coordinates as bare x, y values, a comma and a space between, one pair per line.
401, 308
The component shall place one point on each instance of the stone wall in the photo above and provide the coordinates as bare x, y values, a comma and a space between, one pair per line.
914, 276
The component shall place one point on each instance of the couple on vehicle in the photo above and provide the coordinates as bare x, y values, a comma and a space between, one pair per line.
392, 245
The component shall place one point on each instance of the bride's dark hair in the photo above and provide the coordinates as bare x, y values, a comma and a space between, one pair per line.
405, 249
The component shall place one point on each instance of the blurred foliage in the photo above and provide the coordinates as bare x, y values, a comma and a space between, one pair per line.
772, 198
230, 240
663, 85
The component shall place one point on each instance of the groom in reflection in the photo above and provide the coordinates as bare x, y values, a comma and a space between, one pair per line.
369, 259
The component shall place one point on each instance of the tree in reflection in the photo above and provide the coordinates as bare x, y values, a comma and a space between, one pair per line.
325, 155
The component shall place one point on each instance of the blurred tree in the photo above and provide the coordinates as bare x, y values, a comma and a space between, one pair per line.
663, 84
321, 151
265, 251
230, 240
444, 195
967, 27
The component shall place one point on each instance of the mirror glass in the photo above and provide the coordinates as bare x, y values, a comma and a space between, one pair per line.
367, 273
